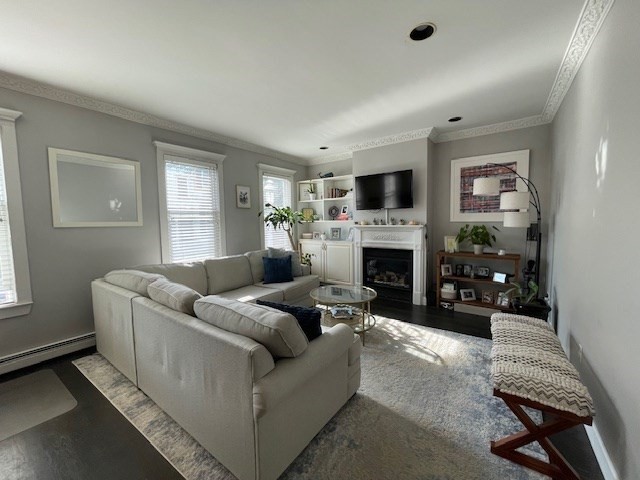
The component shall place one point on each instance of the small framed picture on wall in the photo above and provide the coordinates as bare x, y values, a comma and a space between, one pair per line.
243, 196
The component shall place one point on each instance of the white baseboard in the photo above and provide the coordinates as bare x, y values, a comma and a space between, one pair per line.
604, 460
46, 352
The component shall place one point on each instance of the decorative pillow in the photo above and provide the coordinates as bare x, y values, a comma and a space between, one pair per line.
173, 295
278, 331
308, 318
277, 270
133, 280
296, 267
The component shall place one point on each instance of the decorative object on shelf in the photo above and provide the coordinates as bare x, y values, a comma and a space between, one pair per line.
284, 218
482, 272
336, 233
515, 200
351, 234
413, 222
499, 277
375, 221
450, 244
337, 192
459, 270
449, 291
488, 296
466, 270
243, 196
316, 235
526, 301
305, 258
344, 213
316, 217
467, 204
90, 190
445, 268
401, 221
333, 212
467, 294
502, 251
392, 221
478, 235
502, 299
308, 214
323, 236
307, 235
311, 190
325, 175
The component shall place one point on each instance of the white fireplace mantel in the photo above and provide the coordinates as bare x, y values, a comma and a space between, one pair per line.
395, 237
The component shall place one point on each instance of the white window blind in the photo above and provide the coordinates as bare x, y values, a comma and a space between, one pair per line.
276, 190
8, 292
193, 210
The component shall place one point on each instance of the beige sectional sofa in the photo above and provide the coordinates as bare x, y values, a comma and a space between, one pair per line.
253, 410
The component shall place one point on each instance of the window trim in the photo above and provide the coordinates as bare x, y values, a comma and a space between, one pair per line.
286, 173
24, 300
195, 157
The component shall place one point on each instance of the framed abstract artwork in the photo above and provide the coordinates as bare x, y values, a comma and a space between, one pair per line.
465, 207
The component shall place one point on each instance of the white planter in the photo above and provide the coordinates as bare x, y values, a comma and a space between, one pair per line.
478, 249
312, 196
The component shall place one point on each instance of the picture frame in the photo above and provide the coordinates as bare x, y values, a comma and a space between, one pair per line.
464, 207
307, 214
316, 235
467, 294
243, 196
482, 272
459, 270
336, 233
344, 210
488, 296
466, 270
502, 299
351, 235
89, 190
451, 244
445, 269
499, 277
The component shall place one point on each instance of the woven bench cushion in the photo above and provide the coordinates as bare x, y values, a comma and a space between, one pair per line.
529, 362
512, 317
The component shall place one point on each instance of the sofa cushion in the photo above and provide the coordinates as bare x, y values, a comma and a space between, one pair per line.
277, 270
133, 280
173, 295
228, 273
296, 267
308, 317
278, 331
255, 263
251, 293
297, 288
193, 275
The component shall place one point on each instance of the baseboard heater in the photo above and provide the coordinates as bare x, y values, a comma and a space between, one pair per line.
46, 352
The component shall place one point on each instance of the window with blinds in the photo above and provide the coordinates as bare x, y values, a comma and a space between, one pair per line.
276, 190
193, 210
8, 292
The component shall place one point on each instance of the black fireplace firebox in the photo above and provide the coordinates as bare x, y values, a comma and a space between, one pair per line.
389, 272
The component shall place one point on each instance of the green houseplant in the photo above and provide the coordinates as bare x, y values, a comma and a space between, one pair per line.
284, 218
478, 235
525, 301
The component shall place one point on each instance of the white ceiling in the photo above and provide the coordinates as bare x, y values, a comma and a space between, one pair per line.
292, 75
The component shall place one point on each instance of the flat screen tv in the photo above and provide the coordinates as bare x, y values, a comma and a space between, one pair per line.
385, 190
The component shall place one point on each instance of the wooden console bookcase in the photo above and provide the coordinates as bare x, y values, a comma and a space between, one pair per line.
509, 263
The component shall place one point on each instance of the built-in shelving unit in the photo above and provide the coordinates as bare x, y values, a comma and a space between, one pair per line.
331, 192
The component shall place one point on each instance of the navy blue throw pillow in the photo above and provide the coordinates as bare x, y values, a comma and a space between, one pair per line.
277, 270
308, 318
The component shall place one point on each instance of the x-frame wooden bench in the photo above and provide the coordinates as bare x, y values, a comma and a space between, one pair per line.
529, 369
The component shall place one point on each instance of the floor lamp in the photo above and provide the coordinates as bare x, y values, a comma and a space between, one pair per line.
519, 201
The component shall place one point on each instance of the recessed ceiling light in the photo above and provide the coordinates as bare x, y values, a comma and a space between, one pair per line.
455, 119
422, 31
324, 148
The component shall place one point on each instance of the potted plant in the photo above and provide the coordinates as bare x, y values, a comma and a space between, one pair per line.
311, 190
284, 218
478, 235
305, 258
526, 301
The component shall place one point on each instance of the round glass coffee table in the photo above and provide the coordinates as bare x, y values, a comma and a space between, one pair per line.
349, 303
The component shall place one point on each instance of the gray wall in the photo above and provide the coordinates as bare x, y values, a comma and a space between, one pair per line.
595, 199
64, 261
537, 140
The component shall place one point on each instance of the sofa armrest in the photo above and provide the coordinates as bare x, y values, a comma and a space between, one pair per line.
290, 373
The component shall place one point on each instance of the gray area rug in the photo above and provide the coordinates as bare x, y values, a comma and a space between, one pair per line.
31, 400
424, 411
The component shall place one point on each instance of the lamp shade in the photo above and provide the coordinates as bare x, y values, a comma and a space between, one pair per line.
489, 186
516, 219
514, 201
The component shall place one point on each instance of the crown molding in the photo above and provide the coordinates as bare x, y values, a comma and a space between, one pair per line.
391, 139
31, 87
336, 157
591, 19
526, 122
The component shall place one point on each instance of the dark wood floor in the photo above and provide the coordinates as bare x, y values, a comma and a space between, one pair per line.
95, 441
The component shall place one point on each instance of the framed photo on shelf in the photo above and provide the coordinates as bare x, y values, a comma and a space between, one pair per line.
459, 270
499, 277
450, 244
502, 299
316, 235
344, 210
488, 296
482, 272
307, 214
467, 294
466, 270
336, 233
445, 269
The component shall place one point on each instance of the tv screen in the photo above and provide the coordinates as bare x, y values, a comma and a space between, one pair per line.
385, 190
